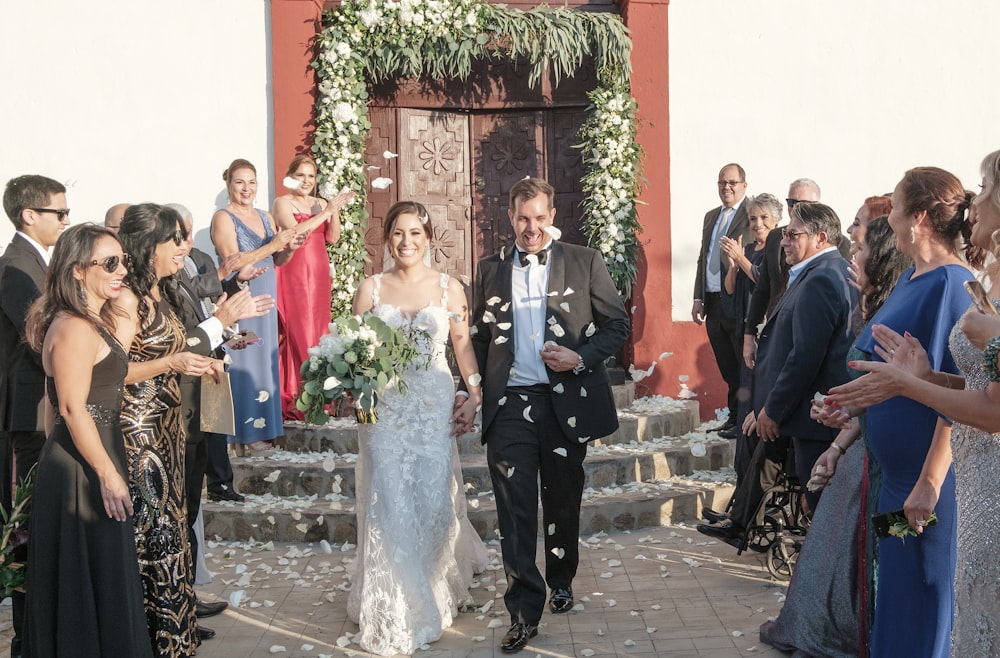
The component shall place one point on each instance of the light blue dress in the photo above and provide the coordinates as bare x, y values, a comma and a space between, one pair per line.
254, 371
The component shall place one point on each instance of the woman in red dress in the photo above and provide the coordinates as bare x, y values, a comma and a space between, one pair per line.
304, 282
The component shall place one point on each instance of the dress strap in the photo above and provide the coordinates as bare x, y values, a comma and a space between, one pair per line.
444, 289
267, 225
378, 284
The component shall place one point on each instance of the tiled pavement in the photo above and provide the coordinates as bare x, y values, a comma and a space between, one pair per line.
654, 592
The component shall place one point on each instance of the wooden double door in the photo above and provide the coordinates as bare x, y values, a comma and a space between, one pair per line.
460, 164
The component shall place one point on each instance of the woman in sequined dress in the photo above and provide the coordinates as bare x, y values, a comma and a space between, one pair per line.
151, 423
975, 452
84, 596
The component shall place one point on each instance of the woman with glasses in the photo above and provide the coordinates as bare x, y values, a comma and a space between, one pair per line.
152, 425
84, 595
239, 228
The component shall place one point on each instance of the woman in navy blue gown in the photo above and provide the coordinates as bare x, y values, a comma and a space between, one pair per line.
915, 597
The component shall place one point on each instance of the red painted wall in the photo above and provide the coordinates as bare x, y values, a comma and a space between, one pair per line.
294, 24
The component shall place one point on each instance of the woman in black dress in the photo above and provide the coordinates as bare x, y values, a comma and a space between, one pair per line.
84, 596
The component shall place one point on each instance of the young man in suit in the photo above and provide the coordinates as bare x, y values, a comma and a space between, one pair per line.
546, 316
36, 205
712, 304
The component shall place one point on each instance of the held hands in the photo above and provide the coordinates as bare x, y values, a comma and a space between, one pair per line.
116, 497
464, 416
980, 328
559, 358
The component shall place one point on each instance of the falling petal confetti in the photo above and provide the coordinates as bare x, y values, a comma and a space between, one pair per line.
568, 292
194, 341
502, 401
263, 396
273, 476
564, 306
527, 414
500, 340
260, 423
590, 330
489, 317
571, 421
492, 300
583, 392
381, 183
389, 155
639, 375
557, 330
330, 383
475, 379
510, 471
665, 355
504, 326
560, 451
329, 464
553, 232
583, 439
559, 552
552, 528
291, 183
505, 307
558, 388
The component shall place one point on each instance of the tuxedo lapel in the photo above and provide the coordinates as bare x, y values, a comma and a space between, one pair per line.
557, 281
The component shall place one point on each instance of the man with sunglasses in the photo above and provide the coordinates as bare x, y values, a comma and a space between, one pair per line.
36, 205
712, 304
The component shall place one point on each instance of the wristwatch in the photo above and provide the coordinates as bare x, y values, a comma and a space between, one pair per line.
580, 367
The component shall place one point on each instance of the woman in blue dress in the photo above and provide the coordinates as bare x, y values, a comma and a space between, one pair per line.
241, 228
914, 591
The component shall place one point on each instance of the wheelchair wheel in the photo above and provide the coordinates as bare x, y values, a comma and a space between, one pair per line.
762, 537
780, 560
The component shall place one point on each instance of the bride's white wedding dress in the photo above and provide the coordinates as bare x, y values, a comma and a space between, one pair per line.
417, 551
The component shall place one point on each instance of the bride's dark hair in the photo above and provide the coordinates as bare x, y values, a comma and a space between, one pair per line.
406, 208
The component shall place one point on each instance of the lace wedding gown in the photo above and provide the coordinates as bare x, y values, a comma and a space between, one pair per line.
417, 551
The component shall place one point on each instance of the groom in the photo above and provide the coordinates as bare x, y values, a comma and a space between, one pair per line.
546, 317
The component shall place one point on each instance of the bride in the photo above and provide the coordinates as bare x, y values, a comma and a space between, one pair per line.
417, 551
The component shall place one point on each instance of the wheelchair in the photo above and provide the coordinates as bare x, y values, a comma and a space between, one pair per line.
779, 525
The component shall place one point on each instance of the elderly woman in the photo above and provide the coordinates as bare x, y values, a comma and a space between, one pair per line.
239, 228
914, 592
84, 596
764, 211
152, 426
975, 452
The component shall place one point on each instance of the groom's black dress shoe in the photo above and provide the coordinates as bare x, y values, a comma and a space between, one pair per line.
725, 529
517, 637
562, 600
205, 633
712, 516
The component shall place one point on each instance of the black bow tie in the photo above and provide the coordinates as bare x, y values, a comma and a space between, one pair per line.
542, 255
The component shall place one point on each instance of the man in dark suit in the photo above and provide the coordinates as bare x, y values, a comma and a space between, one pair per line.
199, 286
712, 304
802, 350
36, 205
546, 317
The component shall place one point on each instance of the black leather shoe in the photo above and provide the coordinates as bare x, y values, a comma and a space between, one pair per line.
562, 600
712, 516
724, 530
227, 493
205, 633
202, 609
517, 637
731, 433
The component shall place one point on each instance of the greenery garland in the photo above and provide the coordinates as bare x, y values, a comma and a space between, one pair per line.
373, 40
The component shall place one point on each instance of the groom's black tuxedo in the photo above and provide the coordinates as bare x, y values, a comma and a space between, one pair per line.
542, 430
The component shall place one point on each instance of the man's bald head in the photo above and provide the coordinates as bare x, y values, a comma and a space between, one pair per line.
113, 218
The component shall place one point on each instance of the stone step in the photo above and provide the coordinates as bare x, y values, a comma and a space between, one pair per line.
305, 474
311, 519
641, 420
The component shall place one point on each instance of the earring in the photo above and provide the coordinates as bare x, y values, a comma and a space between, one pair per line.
83, 295
913, 236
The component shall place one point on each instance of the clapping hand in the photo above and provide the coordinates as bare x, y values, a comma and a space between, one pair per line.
732, 248
980, 328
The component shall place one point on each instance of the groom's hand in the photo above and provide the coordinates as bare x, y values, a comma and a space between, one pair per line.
559, 358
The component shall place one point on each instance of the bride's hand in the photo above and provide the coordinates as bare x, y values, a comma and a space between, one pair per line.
465, 416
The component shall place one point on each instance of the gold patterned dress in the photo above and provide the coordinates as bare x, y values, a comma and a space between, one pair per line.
154, 442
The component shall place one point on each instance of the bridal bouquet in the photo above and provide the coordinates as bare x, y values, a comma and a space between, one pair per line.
355, 362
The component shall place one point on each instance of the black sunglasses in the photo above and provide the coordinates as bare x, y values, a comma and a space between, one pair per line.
60, 214
178, 238
111, 263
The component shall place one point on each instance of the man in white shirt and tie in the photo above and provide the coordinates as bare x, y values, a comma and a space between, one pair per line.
712, 305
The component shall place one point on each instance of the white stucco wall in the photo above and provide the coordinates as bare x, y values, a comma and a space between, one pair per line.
849, 93
135, 101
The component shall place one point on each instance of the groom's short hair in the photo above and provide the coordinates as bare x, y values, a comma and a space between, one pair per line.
529, 188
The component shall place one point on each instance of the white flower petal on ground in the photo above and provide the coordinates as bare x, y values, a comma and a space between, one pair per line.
650, 629
495, 623
381, 183
273, 476
737, 633
698, 449
474, 503
237, 598
629, 643
560, 451
559, 552
277, 648
479, 638
527, 414
588, 653
614, 563
607, 574
578, 607
612, 603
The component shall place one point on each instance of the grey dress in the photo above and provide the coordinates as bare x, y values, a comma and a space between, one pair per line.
976, 455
